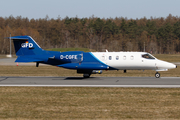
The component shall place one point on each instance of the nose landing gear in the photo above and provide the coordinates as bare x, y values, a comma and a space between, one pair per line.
157, 75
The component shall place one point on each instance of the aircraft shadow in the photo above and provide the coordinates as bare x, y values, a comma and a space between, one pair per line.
72, 78
78, 78
4, 79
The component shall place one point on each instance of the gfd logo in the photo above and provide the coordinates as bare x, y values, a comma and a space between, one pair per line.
27, 44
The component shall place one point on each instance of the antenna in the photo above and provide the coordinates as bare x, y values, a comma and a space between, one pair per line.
9, 47
144, 47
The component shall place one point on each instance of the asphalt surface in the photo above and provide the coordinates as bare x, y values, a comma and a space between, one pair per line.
169, 82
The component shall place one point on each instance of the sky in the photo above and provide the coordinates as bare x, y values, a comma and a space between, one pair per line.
130, 9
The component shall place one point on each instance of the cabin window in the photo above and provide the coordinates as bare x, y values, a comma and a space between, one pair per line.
117, 57
147, 56
124, 57
132, 57
103, 57
110, 57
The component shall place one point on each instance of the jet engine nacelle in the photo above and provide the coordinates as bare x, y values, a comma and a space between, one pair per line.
96, 72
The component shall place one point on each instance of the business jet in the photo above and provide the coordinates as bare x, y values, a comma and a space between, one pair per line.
87, 63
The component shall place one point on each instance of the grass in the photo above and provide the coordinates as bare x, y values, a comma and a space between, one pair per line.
88, 103
168, 57
4, 56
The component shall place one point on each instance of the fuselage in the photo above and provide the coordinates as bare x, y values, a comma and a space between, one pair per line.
109, 61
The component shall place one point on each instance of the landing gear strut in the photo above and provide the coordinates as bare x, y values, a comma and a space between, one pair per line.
157, 75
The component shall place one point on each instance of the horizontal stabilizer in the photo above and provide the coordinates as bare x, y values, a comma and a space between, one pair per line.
27, 59
16, 38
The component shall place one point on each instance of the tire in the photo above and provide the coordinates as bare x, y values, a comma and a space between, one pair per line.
157, 75
86, 75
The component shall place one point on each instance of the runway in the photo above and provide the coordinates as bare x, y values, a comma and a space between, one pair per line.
164, 82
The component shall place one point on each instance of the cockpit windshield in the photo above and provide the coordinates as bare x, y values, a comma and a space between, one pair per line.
148, 56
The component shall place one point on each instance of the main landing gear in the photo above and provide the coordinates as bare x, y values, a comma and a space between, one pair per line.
86, 75
157, 75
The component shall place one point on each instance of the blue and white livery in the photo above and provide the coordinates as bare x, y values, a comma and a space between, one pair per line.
87, 63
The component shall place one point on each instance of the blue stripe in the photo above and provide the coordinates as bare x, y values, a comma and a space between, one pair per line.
110, 68
97, 59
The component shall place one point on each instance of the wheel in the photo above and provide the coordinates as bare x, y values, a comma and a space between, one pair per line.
86, 75
157, 75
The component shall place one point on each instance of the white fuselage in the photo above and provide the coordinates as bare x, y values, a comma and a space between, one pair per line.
132, 61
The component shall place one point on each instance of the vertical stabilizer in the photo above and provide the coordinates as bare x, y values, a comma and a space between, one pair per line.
25, 45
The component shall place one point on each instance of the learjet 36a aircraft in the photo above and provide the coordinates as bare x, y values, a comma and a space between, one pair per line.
87, 63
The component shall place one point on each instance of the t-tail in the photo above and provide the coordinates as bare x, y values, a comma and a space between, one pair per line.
27, 49
25, 45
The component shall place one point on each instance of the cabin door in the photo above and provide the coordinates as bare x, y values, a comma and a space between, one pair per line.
80, 57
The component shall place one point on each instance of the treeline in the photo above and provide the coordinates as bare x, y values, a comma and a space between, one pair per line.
155, 35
